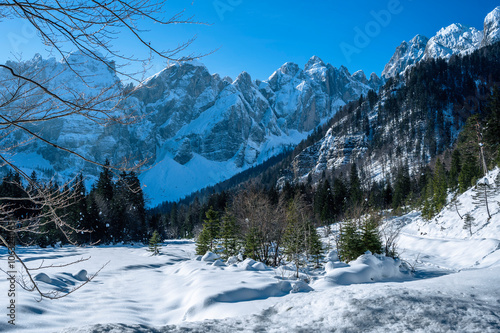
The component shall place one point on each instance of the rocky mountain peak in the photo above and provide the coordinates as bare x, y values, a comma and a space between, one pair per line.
454, 39
314, 62
360, 76
290, 68
406, 54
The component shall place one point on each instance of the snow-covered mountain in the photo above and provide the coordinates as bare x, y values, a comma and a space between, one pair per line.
203, 129
455, 39
492, 27
196, 128
407, 54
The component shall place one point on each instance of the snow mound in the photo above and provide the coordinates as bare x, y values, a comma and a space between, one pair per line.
366, 269
42, 277
258, 266
81, 275
210, 256
280, 288
247, 264
232, 261
218, 262
301, 287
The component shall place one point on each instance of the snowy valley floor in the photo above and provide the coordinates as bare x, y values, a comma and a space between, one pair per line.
456, 288
139, 293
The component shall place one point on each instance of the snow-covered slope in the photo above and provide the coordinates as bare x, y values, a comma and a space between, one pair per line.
445, 239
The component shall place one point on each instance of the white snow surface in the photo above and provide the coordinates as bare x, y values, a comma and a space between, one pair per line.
454, 288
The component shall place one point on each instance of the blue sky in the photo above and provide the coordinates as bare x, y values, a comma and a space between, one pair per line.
258, 36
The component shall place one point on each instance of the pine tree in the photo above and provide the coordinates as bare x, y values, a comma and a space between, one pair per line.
468, 223
468, 174
252, 243
154, 243
428, 210
211, 228
492, 130
132, 207
355, 193
294, 238
340, 194
229, 235
203, 242
482, 191
440, 187
350, 245
105, 185
455, 168
401, 187
103, 198
314, 245
76, 213
370, 236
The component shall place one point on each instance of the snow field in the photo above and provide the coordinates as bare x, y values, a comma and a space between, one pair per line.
455, 287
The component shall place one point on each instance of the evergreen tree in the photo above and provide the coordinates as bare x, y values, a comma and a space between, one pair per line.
350, 245
356, 237
482, 192
387, 195
314, 244
355, 193
154, 243
469, 173
76, 213
105, 185
252, 243
340, 194
294, 238
370, 236
229, 235
492, 130
133, 207
401, 186
96, 226
203, 242
468, 223
210, 232
103, 198
455, 168
440, 187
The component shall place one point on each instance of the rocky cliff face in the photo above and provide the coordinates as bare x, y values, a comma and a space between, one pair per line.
492, 27
196, 128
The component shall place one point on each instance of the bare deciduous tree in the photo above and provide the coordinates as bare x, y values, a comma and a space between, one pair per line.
31, 96
253, 210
